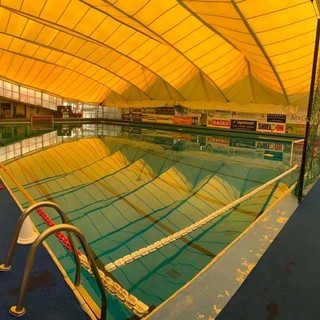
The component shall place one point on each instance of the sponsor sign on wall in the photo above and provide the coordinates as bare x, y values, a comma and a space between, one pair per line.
279, 118
248, 115
218, 123
271, 127
298, 117
225, 119
247, 125
182, 120
218, 119
219, 114
296, 128
159, 118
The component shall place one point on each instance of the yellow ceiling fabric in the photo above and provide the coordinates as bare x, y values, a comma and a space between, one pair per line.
129, 52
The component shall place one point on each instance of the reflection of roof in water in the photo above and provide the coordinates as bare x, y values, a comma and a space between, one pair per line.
124, 197
92, 159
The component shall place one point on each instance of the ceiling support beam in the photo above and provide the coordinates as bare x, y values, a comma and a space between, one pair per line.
261, 47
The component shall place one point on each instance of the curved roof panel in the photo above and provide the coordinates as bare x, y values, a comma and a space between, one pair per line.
121, 51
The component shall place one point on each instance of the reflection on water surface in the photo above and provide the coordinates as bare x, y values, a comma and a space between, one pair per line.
127, 188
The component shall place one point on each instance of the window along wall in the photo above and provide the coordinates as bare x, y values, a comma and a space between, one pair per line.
30, 96
33, 97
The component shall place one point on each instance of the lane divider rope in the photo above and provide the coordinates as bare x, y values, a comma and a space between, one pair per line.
173, 237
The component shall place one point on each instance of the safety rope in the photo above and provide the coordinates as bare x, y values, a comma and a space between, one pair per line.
130, 301
61, 237
173, 237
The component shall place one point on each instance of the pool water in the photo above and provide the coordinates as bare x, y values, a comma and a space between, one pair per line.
131, 189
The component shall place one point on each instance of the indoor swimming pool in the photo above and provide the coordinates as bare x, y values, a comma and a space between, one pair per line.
132, 190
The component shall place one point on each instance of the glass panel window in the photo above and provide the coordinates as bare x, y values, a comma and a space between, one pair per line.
15, 92
38, 98
53, 102
7, 89
23, 94
59, 101
45, 100
31, 96
1, 88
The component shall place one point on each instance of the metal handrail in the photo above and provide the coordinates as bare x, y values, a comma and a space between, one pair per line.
7, 265
19, 309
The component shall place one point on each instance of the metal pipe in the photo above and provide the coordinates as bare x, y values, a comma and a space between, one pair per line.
310, 103
19, 309
7, 265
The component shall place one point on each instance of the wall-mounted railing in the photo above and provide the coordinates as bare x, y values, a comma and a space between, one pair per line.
19, 309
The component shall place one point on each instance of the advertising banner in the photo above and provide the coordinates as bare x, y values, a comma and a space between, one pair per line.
159, 118
296, 128
279, 118
271, 127
219, 114
248, 116
299, 117
247, 125
218, 123
185, 120
225, 119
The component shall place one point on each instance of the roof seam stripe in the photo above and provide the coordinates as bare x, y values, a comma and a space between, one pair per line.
256, 39
81, 36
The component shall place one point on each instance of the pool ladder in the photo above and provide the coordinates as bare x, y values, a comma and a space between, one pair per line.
19, 309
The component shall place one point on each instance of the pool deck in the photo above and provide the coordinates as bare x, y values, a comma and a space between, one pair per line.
271, 273
285, 284
48, 294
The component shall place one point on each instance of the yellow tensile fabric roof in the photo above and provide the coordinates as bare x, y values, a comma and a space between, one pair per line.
118, 51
